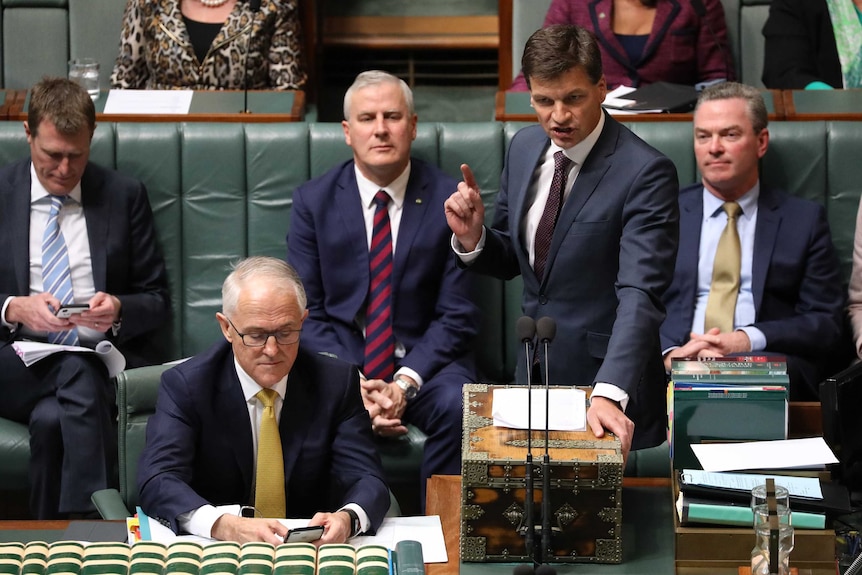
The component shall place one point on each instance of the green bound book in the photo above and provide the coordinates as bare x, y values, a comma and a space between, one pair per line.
106, 559
256, 559
336, 559
708, 512
183, 558
724, 414
11, 558
220, 558
65, 558
35, 558
409, 558
295, 559
372, 560
147, 558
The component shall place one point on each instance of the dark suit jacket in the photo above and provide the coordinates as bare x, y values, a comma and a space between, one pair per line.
127, 261
799, 297
433, 314
199, 444
800, 46
682, 47
610, 261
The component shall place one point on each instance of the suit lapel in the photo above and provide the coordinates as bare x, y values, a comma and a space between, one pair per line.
597, 164
235, 420
530, 154
17, 200
690, 221
765, 233
412, 213
296, 414
96, 202
601, 15
349, 206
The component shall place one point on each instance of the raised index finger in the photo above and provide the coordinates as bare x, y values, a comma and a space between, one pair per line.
469, 179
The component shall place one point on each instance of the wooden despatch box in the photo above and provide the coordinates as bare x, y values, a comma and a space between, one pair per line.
586, 489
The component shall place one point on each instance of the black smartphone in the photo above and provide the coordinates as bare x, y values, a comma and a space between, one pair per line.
305, 534
66, 311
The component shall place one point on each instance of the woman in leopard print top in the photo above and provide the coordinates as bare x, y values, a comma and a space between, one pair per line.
157, 50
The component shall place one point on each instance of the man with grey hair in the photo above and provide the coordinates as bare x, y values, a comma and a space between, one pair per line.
259, 424
756, 269
369, 240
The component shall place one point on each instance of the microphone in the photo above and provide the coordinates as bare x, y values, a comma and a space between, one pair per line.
255, 8
525, 327
700, 10
546, 329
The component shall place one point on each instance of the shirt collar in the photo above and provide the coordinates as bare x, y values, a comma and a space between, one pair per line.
250, 387
39, 193
397, 189
712, 205
579, 152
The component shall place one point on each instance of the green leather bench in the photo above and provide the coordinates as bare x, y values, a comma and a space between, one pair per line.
223, 191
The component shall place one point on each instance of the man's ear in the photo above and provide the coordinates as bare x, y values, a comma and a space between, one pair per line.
225, 326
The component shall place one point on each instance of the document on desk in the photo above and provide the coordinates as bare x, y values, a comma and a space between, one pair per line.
149, 102
32, 351
778, 454
567, 407
427, 530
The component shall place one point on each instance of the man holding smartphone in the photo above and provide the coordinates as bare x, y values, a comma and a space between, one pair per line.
259, 428
82, 266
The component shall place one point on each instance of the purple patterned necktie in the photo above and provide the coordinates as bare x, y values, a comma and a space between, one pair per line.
545, 229
379, 340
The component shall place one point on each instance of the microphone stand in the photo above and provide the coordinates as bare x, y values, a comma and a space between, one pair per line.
255, 7
526, 330
546, 328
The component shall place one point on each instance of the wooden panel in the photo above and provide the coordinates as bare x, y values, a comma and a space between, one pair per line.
476, 32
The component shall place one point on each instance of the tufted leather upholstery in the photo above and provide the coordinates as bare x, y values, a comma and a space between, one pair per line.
223, 191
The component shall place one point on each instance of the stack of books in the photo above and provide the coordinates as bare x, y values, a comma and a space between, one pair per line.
219, 558
705, 498
725, 399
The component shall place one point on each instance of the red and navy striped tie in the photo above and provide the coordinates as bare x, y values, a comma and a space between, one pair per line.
379, 341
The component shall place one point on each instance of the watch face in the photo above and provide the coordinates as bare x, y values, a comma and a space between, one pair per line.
410, 392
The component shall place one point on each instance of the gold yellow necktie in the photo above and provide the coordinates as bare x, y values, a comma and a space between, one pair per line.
721, 305
269, 478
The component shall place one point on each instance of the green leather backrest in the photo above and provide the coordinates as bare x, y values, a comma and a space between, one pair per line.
221, 191
35, 41
752, 17
94, 32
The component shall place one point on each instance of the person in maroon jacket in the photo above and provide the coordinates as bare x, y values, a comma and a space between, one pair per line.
648, 41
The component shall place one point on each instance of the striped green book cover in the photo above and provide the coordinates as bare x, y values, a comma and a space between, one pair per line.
336, 559
295, 559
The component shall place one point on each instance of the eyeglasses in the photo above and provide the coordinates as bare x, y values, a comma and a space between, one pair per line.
283, 337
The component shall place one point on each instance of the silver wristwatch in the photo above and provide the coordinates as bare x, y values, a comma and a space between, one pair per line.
408, 388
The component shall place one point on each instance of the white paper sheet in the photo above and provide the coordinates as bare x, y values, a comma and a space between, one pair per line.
567, 406
148, 102
797, 486
778, 454
32, 351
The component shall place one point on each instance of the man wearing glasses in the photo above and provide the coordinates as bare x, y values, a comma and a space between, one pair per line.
258, 424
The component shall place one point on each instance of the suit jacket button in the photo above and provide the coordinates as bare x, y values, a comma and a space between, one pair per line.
543, 299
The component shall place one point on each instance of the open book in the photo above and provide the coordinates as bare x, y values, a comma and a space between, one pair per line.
221, 558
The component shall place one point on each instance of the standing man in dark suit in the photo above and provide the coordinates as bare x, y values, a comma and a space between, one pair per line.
208, 452
587, 215
788, 297
103, 249
416, 356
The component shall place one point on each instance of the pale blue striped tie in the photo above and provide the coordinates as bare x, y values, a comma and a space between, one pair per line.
56, 273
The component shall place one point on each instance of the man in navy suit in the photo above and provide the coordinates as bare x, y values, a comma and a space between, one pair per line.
433, 319
789, 299
611, 244
115, 268
199, 463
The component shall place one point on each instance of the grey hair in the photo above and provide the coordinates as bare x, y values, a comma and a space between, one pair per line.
375, 78
754, 103
259, 267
